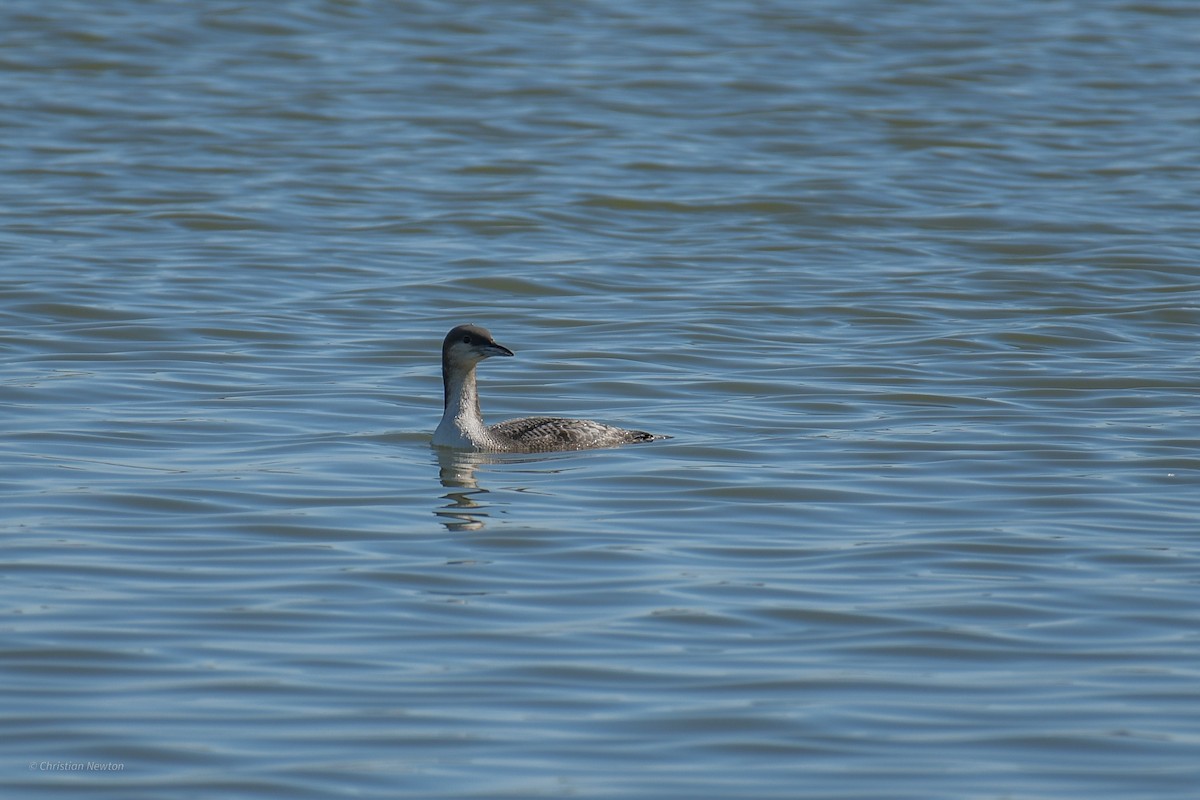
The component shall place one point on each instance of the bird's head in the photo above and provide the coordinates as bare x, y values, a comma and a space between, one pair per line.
467, 345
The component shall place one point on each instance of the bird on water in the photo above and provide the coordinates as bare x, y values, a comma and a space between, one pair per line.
462, 424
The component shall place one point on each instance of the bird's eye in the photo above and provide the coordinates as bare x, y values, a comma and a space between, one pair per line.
466, 340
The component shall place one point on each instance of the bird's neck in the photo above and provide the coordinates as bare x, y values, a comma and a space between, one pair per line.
459, 390
462, 422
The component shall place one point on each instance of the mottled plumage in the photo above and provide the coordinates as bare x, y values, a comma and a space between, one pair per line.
462, 423
556, 433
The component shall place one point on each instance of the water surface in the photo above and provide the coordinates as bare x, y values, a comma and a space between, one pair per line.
913, 287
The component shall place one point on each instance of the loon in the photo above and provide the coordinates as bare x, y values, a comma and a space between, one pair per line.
462, 423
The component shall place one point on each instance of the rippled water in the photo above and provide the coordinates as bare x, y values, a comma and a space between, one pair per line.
914, 287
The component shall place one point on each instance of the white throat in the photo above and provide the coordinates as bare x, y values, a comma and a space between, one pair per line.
462, 423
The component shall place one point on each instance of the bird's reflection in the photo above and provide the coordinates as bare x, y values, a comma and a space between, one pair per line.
468, 509
458, 468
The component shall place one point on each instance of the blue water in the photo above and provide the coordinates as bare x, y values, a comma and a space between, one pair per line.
913, 286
